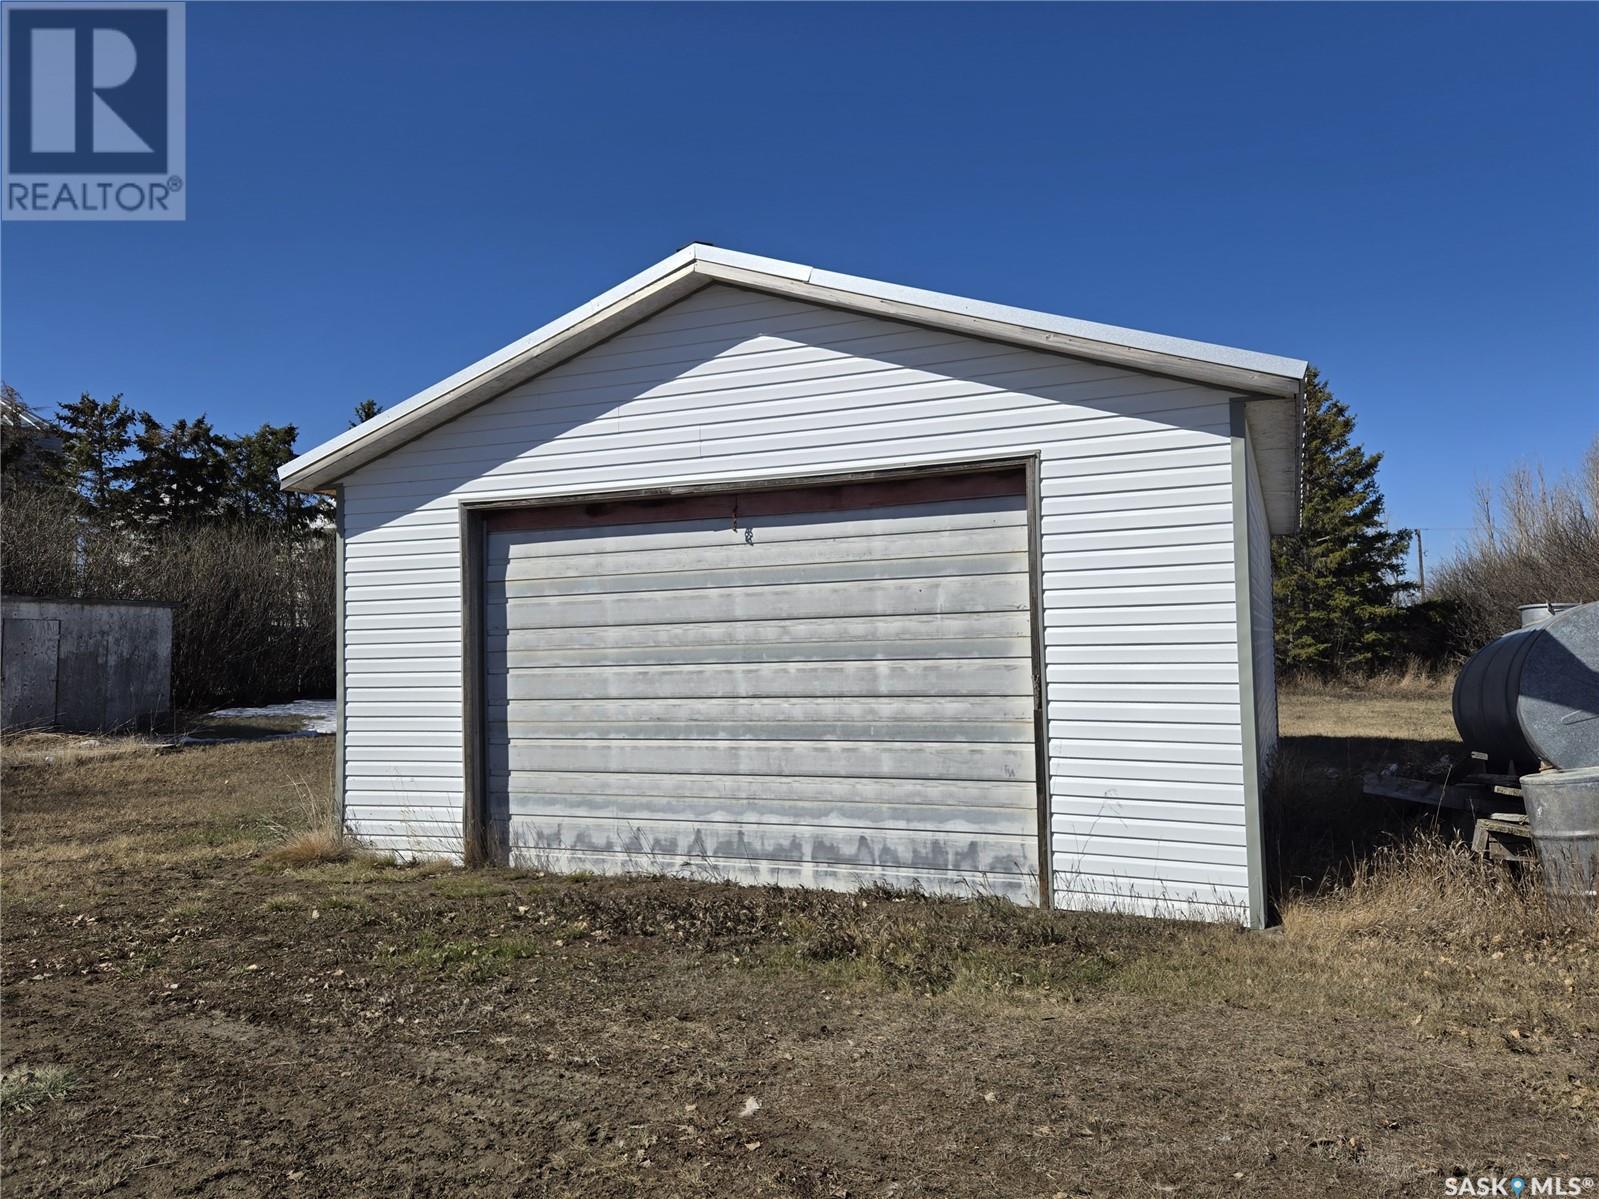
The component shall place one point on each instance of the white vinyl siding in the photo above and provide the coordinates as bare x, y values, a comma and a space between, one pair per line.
1135, 523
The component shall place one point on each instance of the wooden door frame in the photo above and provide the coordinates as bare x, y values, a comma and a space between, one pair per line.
474, 516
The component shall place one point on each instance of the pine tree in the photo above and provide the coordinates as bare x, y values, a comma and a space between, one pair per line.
253, 495
365, 411
179, 475
1337, 580
95, 438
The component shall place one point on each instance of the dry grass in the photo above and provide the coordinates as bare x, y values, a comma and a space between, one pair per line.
1425, 934
24, 1088
309, 848
1384, 907
206, 727
64, 750
1405, 719
149, 895
970, 947
86, 814
1434, 891
1414, 678
306, 832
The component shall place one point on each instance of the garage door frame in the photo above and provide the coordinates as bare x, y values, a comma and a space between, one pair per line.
474, 524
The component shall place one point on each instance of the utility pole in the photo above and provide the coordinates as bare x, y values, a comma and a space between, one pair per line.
1421, 563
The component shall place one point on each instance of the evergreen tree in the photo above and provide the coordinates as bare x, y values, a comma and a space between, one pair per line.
365, 411
253, 495
95, 438
180, 473
1337, 580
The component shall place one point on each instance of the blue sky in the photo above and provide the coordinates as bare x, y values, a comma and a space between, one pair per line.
378, 194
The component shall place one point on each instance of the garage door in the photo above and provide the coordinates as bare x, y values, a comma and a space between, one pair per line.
829, 687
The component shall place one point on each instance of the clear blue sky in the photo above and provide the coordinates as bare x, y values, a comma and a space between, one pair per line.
378, 194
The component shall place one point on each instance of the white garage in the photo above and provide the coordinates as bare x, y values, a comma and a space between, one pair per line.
750, 571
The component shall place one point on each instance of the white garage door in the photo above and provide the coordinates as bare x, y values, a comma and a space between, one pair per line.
829, 687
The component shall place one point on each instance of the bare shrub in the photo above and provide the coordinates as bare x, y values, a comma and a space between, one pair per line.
43, 549
1535, 540
253, 620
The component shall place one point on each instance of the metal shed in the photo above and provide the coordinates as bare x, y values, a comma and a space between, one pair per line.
754, 571
84, 665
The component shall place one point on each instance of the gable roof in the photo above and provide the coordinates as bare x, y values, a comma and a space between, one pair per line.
1243, 372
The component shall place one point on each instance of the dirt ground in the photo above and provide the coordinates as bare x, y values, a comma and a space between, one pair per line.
182, 1016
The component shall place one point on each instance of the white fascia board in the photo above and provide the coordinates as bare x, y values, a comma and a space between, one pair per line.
1093, 335
323, 464
697, 265
1263, 374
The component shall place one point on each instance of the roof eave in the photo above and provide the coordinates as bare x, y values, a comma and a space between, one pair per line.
696, 266
649, 291
1243, 370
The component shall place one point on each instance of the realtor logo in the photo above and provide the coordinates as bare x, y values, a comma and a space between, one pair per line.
94, 112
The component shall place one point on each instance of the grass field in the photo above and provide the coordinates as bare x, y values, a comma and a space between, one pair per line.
186, 1011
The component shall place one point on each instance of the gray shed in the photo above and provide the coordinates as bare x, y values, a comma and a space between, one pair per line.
85, 665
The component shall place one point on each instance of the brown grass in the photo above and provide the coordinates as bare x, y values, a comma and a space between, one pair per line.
65, 750
306, 832
204, 725
171, 917
82, 816
310, 848
1322, 830
1414, 678
1404, 719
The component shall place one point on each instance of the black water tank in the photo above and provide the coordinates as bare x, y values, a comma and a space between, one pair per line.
1533, 695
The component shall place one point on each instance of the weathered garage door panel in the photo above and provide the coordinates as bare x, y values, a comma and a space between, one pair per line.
763, 680
851, 714
826, 697
731, 580
713, 754
746, 791
933, 628
822, 559
787, 649
817, 601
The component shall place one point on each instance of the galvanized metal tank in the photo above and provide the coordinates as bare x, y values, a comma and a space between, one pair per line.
1533, 695
1563, 811
1532, 614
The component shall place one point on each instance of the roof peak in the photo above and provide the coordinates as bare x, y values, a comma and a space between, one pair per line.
701, 263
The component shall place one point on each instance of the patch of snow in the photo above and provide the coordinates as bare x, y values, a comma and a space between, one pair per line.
318, 714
